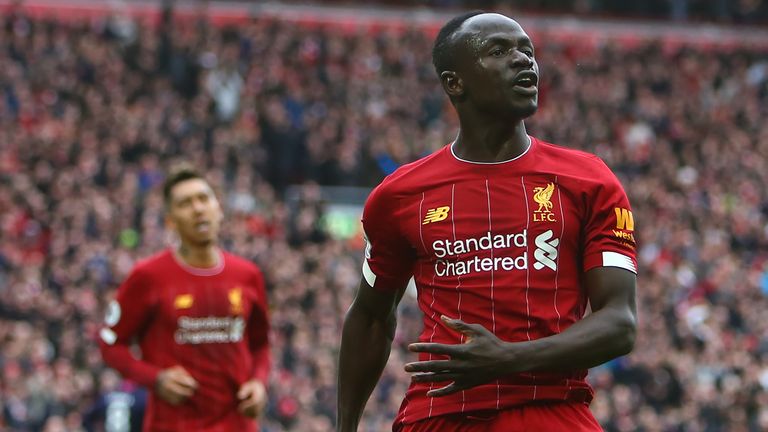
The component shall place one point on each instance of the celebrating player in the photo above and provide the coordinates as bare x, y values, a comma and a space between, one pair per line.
199, 315
509, 240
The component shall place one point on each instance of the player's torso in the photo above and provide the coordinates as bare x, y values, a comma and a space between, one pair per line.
501, 245
201, 315
200, 322
501, 250
205, 310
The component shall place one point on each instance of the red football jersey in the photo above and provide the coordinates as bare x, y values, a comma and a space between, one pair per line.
504, 245
213, 322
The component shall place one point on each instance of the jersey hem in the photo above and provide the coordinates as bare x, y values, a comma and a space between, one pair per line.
419, 413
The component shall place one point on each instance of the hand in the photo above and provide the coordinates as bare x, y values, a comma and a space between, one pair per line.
253, 398
477, 361
175, 385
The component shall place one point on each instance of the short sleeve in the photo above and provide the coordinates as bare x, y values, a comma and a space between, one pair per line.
610, 227
389, 257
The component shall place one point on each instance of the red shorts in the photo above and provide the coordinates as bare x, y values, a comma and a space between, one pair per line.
543, 417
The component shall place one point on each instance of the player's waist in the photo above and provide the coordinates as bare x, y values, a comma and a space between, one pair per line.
492, 396
194, 415
513, 384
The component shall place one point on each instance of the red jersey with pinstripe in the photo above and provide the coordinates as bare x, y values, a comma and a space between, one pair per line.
503, 245
213, 322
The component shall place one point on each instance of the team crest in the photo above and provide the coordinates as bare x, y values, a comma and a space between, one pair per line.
236, 300
543, 197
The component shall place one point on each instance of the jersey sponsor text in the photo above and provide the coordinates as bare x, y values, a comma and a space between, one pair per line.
209, 330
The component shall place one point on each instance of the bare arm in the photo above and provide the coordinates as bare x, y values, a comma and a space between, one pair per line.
607, 333
366, 339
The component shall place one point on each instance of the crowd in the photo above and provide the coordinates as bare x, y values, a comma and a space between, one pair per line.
724, 11
92, 113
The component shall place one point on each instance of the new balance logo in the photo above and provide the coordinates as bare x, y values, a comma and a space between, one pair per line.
546, 251
436, 215
183, 301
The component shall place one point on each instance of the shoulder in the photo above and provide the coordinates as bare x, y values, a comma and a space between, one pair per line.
427, 165
241, 264
574, 162
411, 176
248, 273
569, 156
154, 264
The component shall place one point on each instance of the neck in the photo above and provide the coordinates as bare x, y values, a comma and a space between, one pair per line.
205, 256
490, 140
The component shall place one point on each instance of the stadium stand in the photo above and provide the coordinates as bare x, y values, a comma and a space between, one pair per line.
92, 111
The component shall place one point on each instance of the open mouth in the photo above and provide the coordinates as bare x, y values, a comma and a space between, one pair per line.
525, 83
525, 79
203, 227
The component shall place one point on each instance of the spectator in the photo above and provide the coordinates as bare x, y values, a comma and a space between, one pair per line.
84, 117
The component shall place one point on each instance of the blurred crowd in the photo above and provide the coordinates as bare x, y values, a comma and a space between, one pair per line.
92, 113
724, 11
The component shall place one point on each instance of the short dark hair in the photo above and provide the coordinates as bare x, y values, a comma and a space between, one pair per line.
441, 50
177, 174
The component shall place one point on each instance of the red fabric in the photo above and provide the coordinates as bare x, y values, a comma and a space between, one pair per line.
213, 323
559, 417
508, 253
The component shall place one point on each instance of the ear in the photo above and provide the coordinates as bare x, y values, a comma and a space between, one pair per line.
452, 83
169, 223
220, 214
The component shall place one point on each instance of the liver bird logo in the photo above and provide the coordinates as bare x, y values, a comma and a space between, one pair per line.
236, 300
543, 196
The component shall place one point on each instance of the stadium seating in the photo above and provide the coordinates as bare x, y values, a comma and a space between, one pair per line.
92, 112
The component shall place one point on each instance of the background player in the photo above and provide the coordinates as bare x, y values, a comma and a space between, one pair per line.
199, 315
511, 238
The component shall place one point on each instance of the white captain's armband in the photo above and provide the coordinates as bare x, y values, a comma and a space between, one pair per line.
615, 259
368, 274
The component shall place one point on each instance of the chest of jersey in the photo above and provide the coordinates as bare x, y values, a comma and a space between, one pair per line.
206, 311
475, 228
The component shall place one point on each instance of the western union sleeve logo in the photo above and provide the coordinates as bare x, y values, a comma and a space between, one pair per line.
436, 215
183, 301
624, 219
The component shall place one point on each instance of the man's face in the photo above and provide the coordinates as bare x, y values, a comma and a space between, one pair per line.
495, 62
194, 212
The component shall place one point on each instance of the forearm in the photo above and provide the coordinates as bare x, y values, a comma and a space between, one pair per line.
365, 347
601, 336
